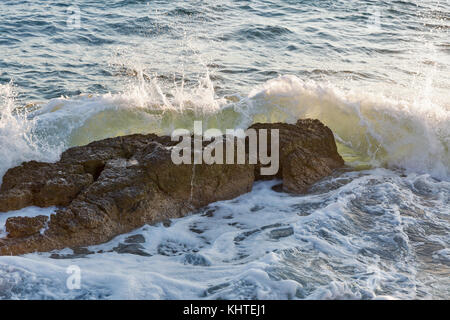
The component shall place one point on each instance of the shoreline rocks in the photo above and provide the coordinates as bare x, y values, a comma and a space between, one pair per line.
113, 186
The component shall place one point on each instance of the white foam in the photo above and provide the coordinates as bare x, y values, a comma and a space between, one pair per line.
17, 140
351, 240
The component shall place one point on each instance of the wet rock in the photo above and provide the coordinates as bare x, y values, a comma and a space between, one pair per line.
256, 208
209, 213
213, 289
308, 153
116, 185
281, 233
278, 187
77, 254
303, 214
82, 250
132, 248
195, 229
42, 184
270, 226
24, 226
138, 238
196, 260
241, 237
173, 248
167, 223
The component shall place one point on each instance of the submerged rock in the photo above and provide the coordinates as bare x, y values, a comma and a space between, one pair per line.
137, 238
131, 248
113, 186
77, 254
281, 233
196, 259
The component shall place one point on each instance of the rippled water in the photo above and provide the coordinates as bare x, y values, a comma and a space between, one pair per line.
242, 43
376, 72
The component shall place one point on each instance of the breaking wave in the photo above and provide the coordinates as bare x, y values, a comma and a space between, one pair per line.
371, 130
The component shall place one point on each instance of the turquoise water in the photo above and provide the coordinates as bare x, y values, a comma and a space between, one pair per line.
376, 72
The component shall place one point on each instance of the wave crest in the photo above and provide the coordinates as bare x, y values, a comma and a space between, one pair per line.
370, 129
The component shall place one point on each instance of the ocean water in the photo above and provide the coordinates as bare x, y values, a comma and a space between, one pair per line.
376, 72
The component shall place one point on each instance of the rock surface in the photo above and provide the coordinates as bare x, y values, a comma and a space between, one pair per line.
42, 184
308, 153
116, 185
24, 226
131, 248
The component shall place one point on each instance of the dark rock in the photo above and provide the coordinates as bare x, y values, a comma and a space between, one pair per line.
308, 153
138, 238
132, 248
270, 226
167, 223
173, 248
241, 237
78, 253
214, 289
278, 187
196, 260
42, 185
209, 213
281, 233
256, 208
82, 250
196, 230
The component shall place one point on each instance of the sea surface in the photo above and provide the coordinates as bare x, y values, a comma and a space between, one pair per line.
376, 72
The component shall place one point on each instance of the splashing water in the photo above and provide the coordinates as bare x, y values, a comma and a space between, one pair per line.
17, 140
371, 129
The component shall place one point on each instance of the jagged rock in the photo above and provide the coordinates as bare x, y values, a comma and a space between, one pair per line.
116, 185
42, 184
25, 226
308, 153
